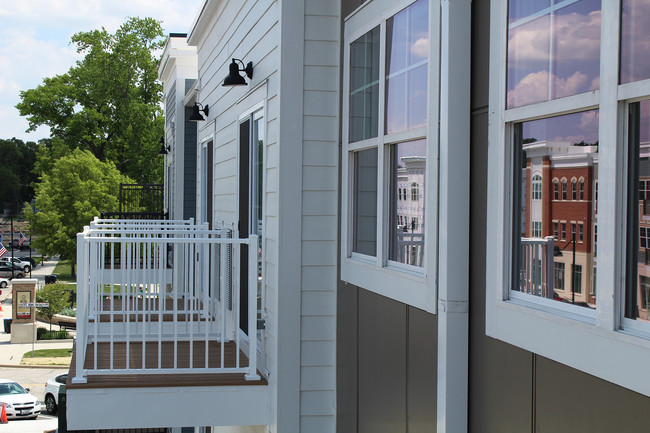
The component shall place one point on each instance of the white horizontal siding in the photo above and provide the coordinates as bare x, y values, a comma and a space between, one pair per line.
319, 216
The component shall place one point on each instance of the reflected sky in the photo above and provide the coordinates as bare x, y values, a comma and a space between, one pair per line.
572, 128
635, 40
553, 52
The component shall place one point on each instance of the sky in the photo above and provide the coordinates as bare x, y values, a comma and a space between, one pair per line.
35, 36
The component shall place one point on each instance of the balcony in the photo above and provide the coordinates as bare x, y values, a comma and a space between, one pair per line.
158, 328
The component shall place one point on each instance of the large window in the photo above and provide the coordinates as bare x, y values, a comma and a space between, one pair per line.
386, 140
570, 98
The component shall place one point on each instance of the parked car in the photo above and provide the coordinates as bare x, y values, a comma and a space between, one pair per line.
3, 283
52, 392
30, 260
19, 403
14, 244
25, 266
6, 271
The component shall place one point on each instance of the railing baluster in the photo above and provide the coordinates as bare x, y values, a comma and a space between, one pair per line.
252, 309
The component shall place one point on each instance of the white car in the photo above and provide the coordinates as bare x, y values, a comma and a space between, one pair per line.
25, 266
52, 392
3, 283
18, 402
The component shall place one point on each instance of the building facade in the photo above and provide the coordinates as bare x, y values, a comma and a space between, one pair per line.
399, 175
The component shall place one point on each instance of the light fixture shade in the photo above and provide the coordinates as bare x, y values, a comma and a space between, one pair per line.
196, 114
233, 78
163, 150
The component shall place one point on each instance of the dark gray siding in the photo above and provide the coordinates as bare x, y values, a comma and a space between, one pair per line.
189, 181
510, 389
386, 365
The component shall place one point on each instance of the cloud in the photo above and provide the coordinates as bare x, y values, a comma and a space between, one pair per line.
421, 47
35, 36
577, 37
534, 87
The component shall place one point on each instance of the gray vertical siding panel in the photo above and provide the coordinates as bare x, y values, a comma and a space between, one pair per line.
382, 364
190, 172
346, 358
421, 374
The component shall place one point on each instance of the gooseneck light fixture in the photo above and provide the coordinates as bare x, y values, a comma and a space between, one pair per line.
196, 112
234, 78
164, 150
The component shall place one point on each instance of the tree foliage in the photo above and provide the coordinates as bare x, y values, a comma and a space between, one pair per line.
77, 188
17, 160
56, 296
109, 102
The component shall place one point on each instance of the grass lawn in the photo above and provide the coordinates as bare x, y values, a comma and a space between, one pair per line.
49, 353
63, 271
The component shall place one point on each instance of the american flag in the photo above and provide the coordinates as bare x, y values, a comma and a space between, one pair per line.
3, 250
22, 239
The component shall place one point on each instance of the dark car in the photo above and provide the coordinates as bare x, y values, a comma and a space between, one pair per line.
6, 271
28, 259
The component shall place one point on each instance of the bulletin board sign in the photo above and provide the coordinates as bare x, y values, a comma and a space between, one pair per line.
24, 297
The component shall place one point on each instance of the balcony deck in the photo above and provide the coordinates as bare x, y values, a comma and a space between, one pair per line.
163, 379
135, 310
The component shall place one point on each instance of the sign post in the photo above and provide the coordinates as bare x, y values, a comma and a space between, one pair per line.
34, 305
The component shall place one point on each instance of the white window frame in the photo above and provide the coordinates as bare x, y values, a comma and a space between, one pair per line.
203, 180
603, 344
405, 283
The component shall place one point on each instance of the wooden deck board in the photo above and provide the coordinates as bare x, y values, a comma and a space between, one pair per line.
166, 379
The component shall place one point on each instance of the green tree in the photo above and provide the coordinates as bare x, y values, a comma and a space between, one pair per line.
77, 189
56, 296
17, 160
108, 103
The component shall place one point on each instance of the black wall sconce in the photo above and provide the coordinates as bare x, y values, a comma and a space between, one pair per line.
196, 112
164, 150
234, 78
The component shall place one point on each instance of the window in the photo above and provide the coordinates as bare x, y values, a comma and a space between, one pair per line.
537, 187
536, 229
556, 189
581, 189
558, 275
574, 189
580, 232
555, 230
573, 232
563, 233
388, 207
582, 105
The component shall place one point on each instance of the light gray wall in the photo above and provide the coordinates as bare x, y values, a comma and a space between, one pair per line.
510, 389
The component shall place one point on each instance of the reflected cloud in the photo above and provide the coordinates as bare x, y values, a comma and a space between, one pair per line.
534, 87
420, 47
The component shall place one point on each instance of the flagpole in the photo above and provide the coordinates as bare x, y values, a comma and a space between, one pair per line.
11, 218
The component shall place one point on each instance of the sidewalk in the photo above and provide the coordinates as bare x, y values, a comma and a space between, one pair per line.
11, 354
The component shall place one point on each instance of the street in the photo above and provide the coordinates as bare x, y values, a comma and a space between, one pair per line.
34, 379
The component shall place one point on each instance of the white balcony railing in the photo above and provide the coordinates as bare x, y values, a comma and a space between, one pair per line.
537, 266
163, 297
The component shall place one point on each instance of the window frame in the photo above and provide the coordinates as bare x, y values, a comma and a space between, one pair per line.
564, 333
417, 286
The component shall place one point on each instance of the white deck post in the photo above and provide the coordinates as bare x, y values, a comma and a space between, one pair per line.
252, 309
82, 289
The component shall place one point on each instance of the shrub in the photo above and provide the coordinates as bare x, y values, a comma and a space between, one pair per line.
68, 311
44, 334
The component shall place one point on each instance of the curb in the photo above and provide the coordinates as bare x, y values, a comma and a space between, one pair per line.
33, 366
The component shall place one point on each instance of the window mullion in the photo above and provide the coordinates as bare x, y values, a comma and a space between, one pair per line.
612, 185
382, 245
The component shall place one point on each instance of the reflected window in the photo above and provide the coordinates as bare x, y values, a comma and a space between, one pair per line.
542, 149
408, 168
553, 50
364, 86
559, 275
638, 239
364, 228
581, 189
407, 58
635, 41
537, 187
556, 189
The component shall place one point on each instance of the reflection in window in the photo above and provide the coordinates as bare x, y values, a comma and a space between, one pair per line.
542, 149
537, 187
553, 51
556, 189
638, 238
635, 40
365, 202
407, 54
364, 86
407, 167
